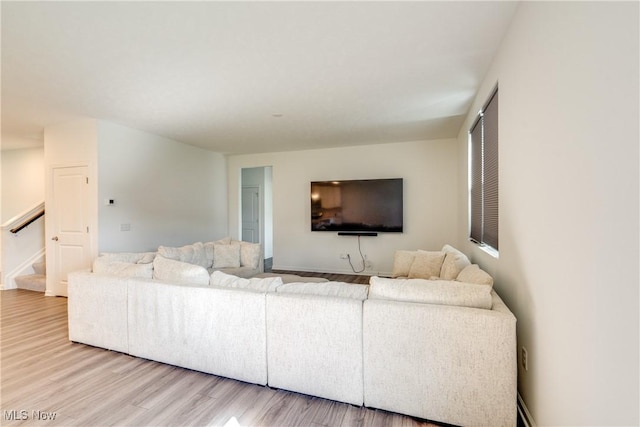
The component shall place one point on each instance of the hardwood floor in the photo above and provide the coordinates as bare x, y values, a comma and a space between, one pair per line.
334, 277
46, 380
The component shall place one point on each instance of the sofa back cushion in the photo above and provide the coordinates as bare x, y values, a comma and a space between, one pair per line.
454, 262
192, 254
426, 264
266, 284
442, 292
402, 261
474, 274
179, 272
226, 256
124, 269
335, 289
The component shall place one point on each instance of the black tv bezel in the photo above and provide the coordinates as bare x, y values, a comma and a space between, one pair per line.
358, 229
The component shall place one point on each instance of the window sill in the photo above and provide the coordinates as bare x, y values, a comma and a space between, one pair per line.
487, 249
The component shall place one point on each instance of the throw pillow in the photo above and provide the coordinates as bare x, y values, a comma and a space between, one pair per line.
439, 292
454, 262
250, 254
402, 261
474, 274
208, 247
426, 264
179, 272
225, 256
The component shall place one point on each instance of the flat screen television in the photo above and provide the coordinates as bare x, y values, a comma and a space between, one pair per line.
364, 205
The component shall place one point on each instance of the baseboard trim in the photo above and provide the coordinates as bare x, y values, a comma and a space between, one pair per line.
524, 414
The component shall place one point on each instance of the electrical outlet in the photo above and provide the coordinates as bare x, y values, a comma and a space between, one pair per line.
524, 358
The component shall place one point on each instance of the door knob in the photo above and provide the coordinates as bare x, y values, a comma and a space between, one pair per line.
54, 238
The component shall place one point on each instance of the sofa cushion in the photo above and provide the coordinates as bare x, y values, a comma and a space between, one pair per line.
192, 254
267, 284
454, 262
124, 269
130, 257
441, 292
226, 255
402, 261
179, 272
474, 274
208, 247
335, 289
426, 264
250, 254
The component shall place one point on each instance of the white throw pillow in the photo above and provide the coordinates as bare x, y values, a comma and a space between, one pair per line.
267, 284
208, 247
250, 254
454, 262
474, 274
439, 292
225, 256
426, 264
192, 254
179, 272
402, 261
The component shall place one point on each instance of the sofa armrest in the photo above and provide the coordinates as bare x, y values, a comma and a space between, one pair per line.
444, 363
97, 310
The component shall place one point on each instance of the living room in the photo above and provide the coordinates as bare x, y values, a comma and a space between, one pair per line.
569, 200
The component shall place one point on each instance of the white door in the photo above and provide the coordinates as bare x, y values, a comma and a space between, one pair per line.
251, 214
70, 225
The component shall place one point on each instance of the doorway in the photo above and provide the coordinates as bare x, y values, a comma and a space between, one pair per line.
69, 247
257, 208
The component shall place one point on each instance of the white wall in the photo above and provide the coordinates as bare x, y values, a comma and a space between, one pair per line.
22, 181
430, 179
569, 217
168, 193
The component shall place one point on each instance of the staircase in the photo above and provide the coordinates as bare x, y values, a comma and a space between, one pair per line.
33, 282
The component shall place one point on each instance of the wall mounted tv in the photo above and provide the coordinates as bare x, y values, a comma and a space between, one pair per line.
365, 205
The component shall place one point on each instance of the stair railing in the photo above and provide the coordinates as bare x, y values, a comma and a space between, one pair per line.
26, 223
23, 220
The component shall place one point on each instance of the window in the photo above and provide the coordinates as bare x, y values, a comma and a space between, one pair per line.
483, 165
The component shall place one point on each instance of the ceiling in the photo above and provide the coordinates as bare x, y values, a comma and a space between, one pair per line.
248, 77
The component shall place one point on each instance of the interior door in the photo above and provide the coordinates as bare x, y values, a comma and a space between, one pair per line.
251, 214
70, 219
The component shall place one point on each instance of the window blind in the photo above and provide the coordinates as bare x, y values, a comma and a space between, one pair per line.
484, 211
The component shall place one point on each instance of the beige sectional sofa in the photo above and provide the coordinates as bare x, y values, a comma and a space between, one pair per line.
442, 350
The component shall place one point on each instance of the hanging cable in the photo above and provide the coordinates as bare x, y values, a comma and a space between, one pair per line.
364, 266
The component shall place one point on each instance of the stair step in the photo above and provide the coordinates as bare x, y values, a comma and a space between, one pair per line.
39, 267
32, 282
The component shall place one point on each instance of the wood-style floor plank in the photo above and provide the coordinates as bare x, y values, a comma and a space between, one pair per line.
43, 373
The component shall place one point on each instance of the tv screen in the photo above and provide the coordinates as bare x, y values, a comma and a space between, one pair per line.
366, 205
